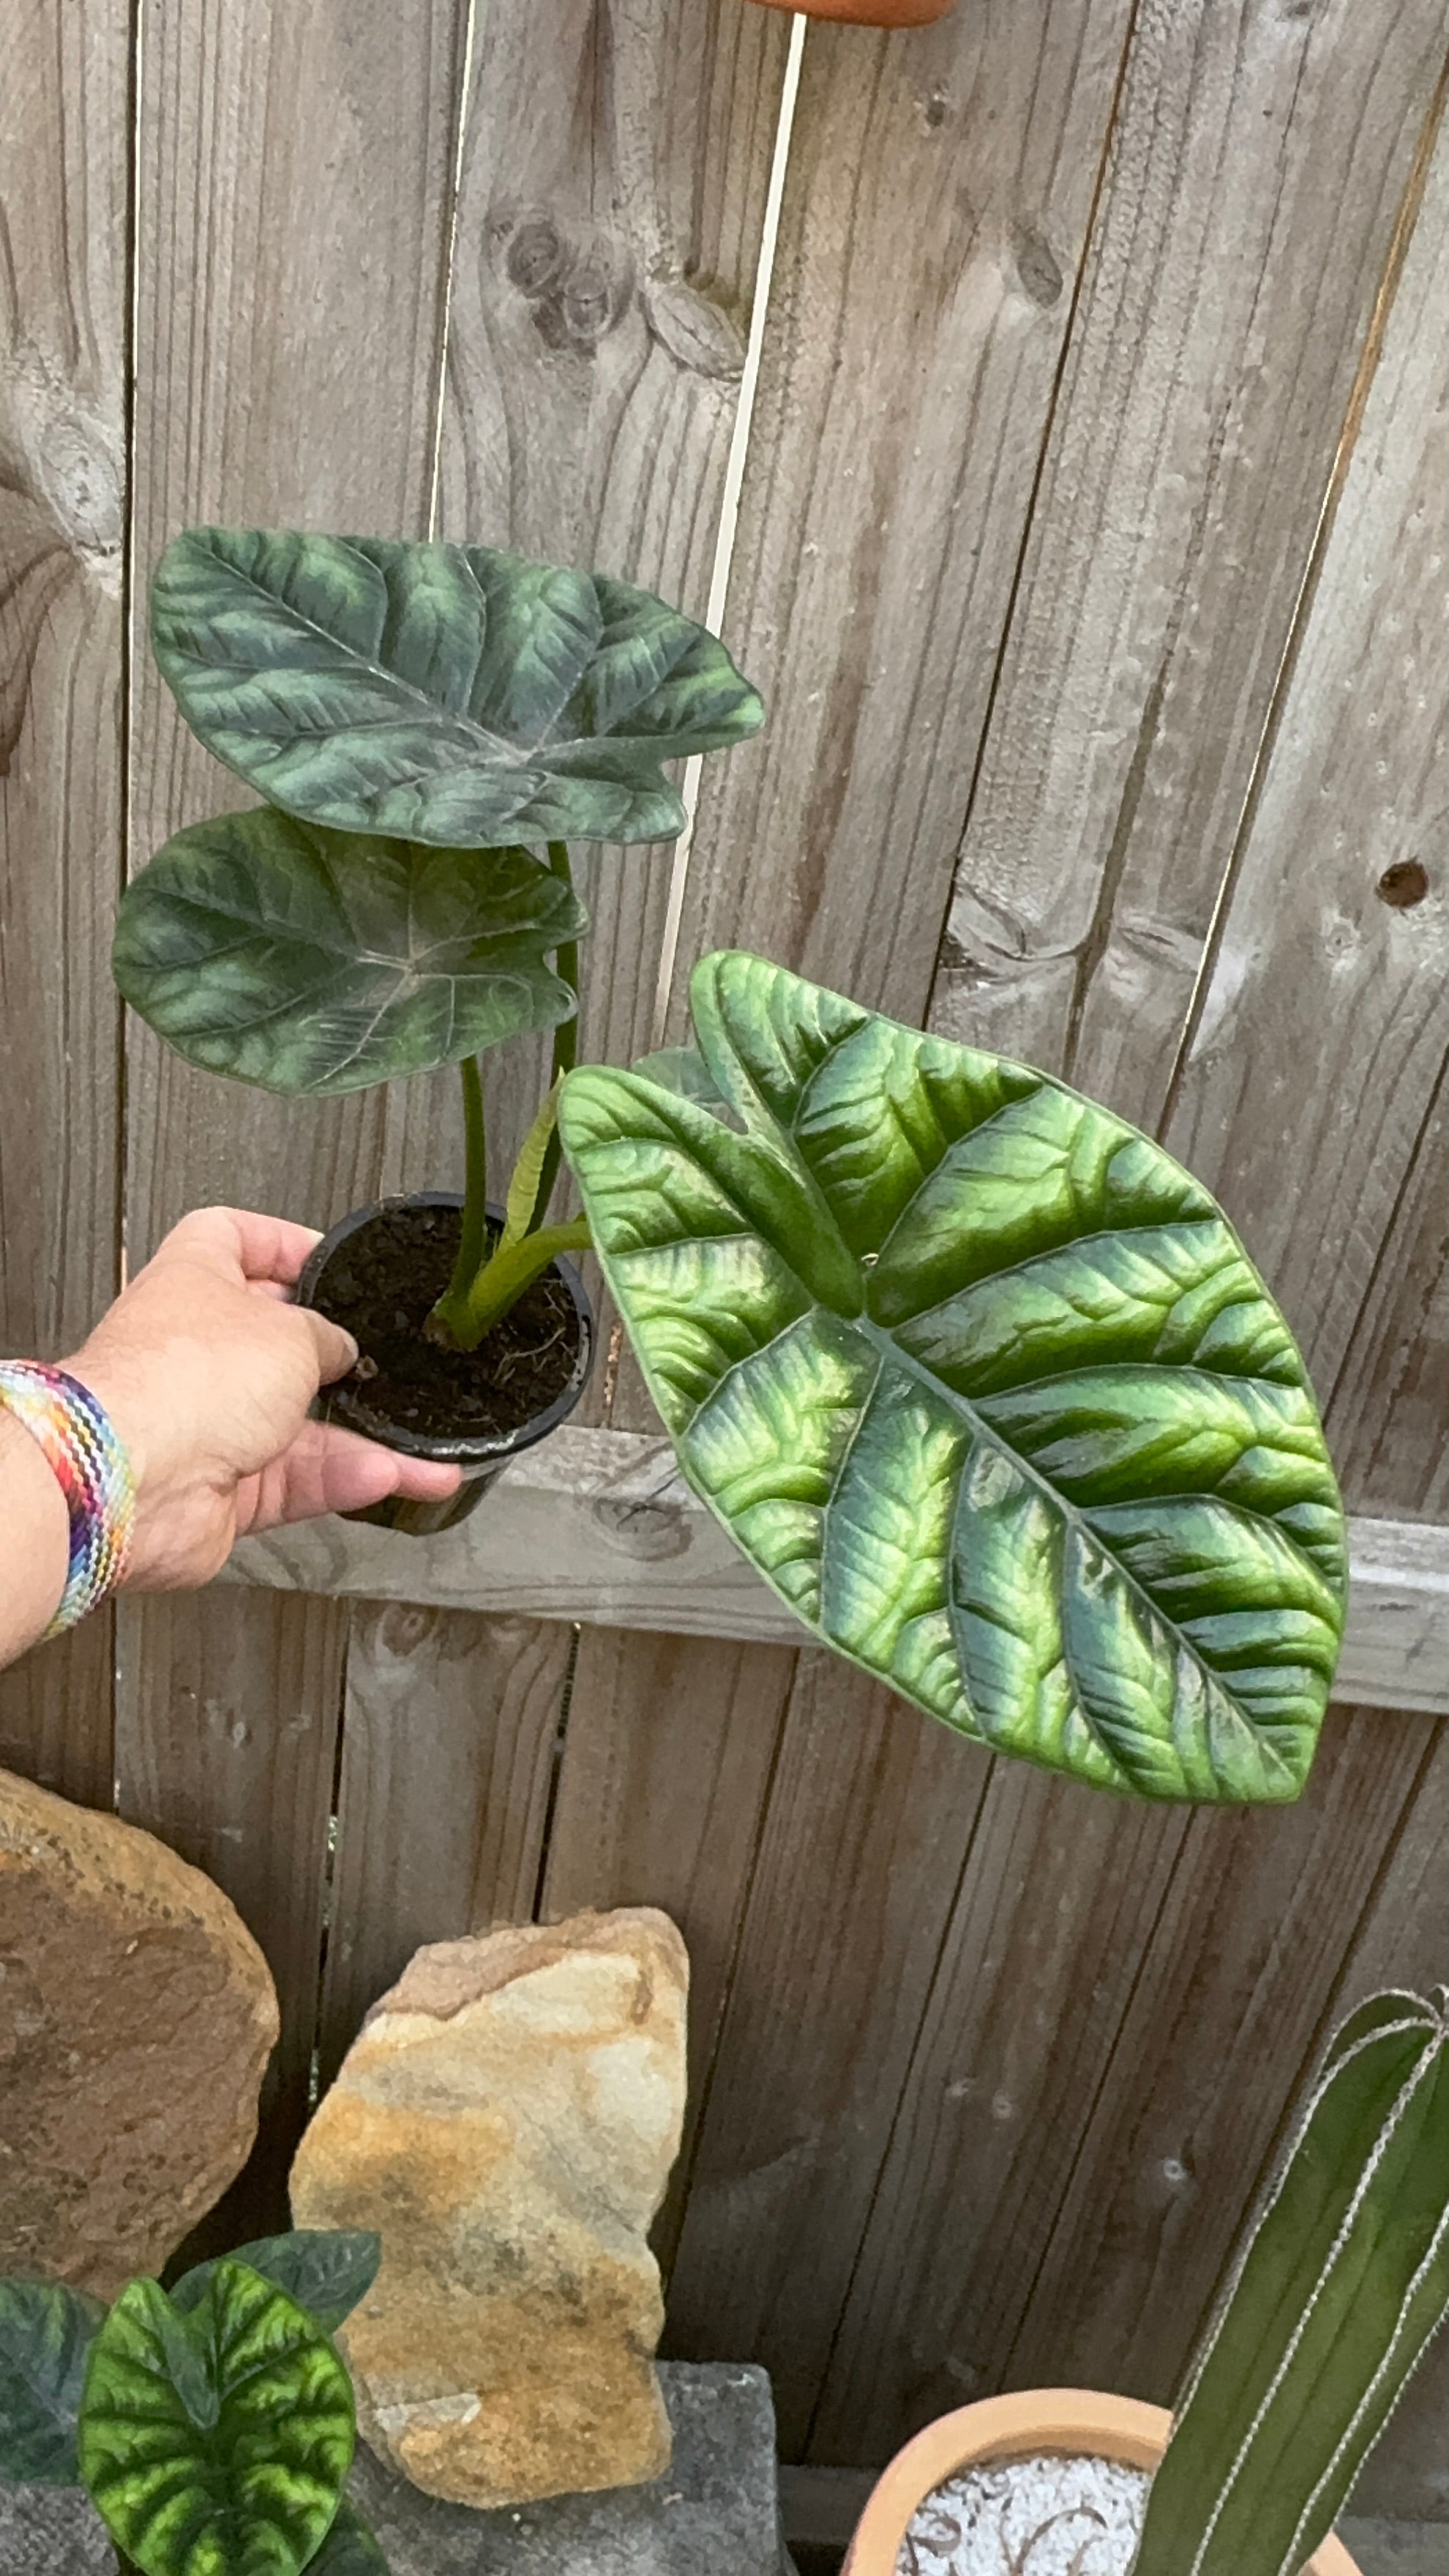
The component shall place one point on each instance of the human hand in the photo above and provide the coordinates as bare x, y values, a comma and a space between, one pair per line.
207, 1369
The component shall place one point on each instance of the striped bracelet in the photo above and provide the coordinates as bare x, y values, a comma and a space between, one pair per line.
80, 1441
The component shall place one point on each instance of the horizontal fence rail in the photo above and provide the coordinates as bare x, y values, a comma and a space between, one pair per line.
599, 1527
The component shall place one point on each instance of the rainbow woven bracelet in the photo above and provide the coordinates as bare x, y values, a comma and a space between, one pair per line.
80, 1441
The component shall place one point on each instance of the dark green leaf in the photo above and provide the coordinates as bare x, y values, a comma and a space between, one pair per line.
325, 2269
46, 2332
311, 961
350, 2548
983, 1383
445, 693
249, 2492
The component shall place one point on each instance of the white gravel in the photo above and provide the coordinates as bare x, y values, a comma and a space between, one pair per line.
1044, 2516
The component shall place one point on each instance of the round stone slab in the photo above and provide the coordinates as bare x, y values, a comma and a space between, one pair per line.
136, 2017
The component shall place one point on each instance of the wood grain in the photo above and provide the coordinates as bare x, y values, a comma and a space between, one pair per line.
1313, 1068
598, 1526
294, 186
666, 1768
935, 213
447, 1764
64, 300
869, 1830
616, 156
1259, 160
226, 1738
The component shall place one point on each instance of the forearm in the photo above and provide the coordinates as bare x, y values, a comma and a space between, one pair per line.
34, 1540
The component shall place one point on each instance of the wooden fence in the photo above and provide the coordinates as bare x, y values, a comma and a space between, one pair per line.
1053, 406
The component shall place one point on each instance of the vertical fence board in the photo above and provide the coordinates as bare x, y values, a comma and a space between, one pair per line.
1324, 1024
449, 1729
666, 1771
294, 177
64, 301
613, 184
868, 1828
226, 1737
1259, 162
935, 212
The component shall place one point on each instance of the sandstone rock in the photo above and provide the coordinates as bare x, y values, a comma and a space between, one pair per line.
506, 2120
136, 2018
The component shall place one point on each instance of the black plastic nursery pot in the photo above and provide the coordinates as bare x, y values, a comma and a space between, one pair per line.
380, 1272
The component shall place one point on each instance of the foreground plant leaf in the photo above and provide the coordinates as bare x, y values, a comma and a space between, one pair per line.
445, 693
325, 2269
982, 1382
46, 2332
1344, 2280
216, 2443
312, 961
351, 2547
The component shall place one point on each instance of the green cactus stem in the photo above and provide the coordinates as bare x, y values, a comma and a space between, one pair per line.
1344, 2279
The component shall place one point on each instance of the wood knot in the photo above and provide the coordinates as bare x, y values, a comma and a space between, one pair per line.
1404, 884
577, 278
1036, 266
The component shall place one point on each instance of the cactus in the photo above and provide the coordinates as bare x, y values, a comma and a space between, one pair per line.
1344, 2278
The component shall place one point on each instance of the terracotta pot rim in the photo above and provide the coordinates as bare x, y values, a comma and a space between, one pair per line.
1073, 2420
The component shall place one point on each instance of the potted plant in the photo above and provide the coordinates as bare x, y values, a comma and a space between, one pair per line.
980, 1380
213, 2425
1342, 2280
430, 726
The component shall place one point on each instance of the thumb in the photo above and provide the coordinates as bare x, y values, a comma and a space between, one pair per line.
336, 1351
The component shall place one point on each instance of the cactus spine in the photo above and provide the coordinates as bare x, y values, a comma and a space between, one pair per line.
1343, 2280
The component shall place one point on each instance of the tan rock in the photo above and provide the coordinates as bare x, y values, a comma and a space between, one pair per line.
136, 2018
506, 2120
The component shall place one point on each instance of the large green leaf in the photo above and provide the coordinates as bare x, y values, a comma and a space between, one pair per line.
46, 2332
216, 2443
445, 693
313, 961
982, 1382
325, 2269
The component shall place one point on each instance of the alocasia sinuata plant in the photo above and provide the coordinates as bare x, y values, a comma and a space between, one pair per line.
430, 726
212, 2425
978, 1377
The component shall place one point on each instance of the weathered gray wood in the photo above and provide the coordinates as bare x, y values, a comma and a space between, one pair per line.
599, 1526
871, 1820
294, 183
935, 213
447, 1762
1323, 1026
64, 298
666, 1767
226, 1736
1258, 164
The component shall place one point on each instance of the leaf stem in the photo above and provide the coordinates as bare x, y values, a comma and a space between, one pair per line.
473, 1247
565, 1036
503, 1279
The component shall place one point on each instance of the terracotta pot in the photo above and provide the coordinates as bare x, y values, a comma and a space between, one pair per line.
1073, 2420
870, 13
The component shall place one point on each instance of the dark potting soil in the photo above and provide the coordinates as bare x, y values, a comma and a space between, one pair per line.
383, 1283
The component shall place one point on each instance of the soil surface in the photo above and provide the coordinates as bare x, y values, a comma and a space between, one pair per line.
1044, 2516
383, 1283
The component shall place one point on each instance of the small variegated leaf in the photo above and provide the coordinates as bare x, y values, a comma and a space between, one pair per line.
215, 2442
325, 2269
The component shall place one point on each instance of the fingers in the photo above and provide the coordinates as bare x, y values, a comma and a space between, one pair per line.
336, 1350
330, 1470
260, 1247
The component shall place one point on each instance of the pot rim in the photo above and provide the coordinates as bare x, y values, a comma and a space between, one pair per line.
344, 1405
1071, 2420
